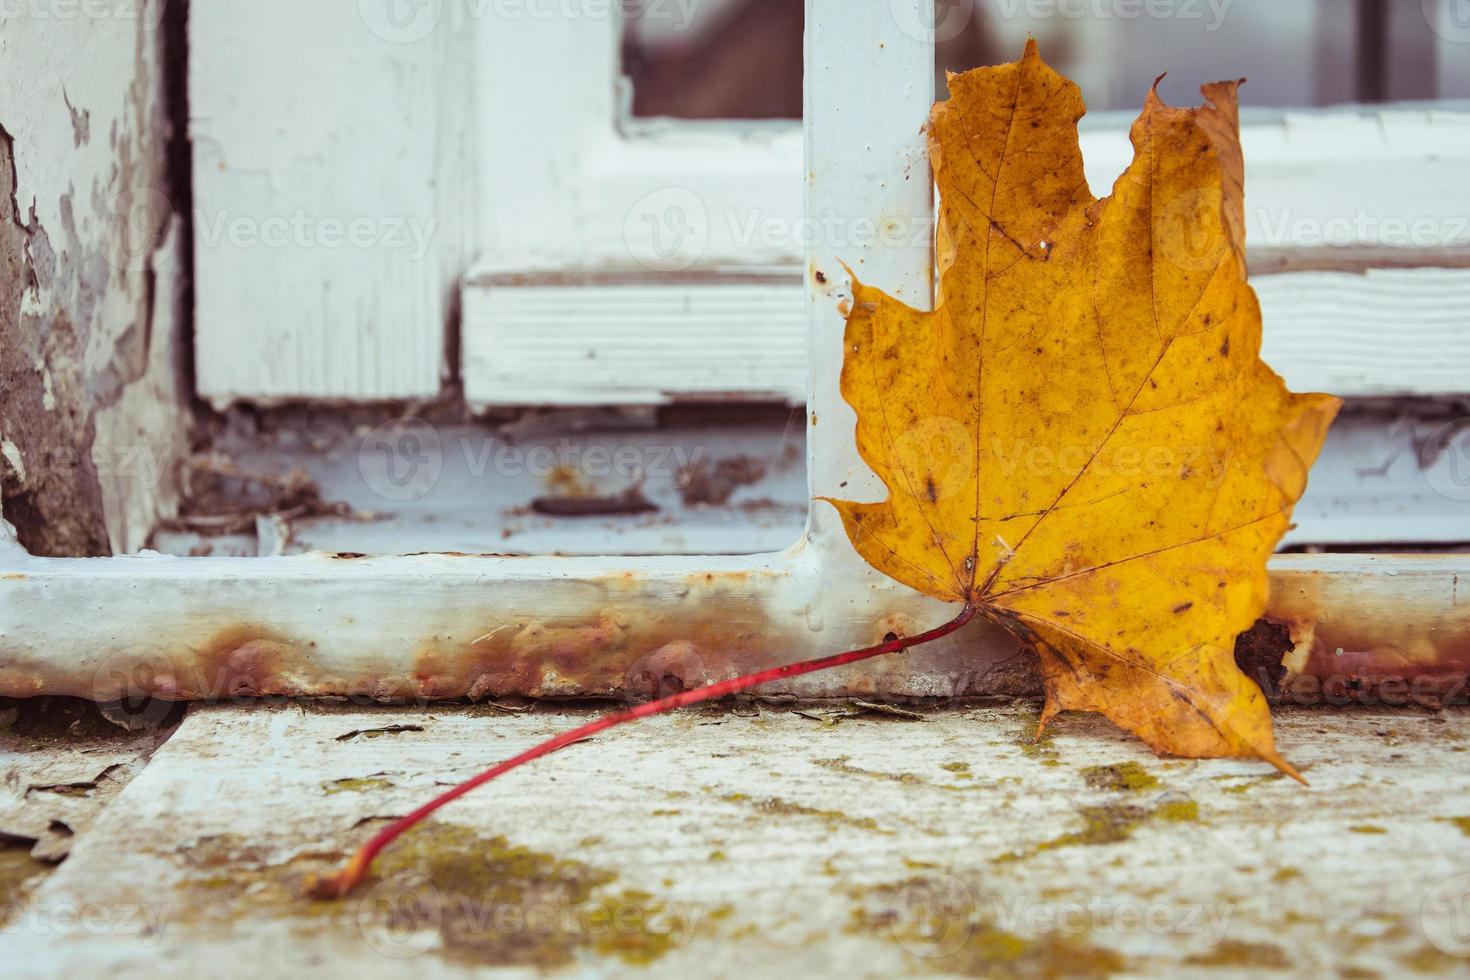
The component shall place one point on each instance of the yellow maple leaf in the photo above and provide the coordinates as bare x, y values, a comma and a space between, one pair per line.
1081, 442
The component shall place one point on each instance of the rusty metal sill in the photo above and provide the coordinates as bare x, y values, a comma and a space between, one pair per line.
426, 627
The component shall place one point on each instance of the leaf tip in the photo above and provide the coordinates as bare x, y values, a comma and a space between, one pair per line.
1152, 101
1280, 763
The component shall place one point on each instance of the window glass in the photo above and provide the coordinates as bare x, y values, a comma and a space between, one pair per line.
741, 59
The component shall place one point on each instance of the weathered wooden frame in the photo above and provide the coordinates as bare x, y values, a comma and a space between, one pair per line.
1356, 275
435, 626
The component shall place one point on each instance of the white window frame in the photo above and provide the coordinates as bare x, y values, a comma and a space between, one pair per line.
569, 306
625, 261
410, 626
500, 127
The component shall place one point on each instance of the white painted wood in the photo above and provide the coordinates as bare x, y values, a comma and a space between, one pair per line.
775, 845
1343, 178
1386, 480
1450, 23
139, 438
562, 183
868, 90
565, 184
1381, 479
485, 480
1379, 332
331, 174
577, 195
634, 343
1317, 196
1314, 177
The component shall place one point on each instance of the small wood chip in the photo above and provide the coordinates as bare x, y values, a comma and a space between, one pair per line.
375, 732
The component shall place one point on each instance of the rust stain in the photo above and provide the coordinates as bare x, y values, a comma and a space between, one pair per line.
244, 661
239, 661
14, 576
892, 626
674, 646
1364, 641
1355, 641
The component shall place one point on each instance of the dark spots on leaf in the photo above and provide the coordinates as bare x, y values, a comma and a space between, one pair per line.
1182, 607
1225, 348
930, 490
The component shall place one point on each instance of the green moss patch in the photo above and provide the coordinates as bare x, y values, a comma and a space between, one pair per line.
470, 899
775, 806
950, 936
362, 785
1110, 824
1461, 822
1129, 777
1231, 952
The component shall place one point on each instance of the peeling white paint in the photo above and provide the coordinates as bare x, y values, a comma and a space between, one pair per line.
48, 385
84, 106
12, 455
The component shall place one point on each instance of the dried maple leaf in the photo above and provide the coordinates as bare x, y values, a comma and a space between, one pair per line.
1081, 442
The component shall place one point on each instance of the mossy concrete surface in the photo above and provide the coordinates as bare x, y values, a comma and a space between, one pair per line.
717, 843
